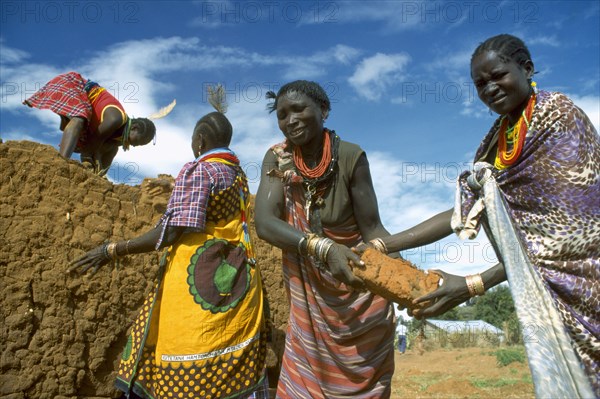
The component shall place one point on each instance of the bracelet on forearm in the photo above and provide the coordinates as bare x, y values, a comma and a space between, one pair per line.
111, 250
318, 247
302, 245
105, 252
379, 245
475, 285
478, 283
323, 248
311, 243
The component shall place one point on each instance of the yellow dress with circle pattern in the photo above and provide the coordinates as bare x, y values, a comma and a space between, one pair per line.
200, 332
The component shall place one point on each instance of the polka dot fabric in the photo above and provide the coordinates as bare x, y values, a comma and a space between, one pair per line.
229, 376
226, 203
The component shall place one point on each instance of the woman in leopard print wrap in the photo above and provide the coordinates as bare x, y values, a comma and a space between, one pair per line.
548, 189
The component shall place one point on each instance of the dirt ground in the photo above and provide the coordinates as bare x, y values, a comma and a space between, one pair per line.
459, 373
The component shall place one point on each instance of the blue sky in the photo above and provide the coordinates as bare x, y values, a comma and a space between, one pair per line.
397, 73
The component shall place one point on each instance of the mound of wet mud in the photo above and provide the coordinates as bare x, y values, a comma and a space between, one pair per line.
61, 333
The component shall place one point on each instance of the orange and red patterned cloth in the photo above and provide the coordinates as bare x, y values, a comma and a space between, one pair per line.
71, 95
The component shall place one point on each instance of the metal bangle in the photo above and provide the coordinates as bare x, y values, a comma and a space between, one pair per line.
301, 243
379, 245
469, 282
105, 252
323, 248
478, 286
111, 250
327, 248
313, 240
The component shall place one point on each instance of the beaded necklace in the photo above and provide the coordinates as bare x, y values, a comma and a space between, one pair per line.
318, 180
321, 167
513, 137
125, 137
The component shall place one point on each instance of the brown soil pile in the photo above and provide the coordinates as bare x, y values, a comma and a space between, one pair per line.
62, 334
395, 279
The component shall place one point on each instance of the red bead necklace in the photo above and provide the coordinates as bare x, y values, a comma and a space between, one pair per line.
321, 168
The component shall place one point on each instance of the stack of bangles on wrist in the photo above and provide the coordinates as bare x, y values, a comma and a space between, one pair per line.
110, 250
475, 285
379, 245
315, 246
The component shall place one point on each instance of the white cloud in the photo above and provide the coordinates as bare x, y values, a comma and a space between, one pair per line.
22, 80
455, 62
391, 15
315, 65
255, 130
344, 54
11, 55
136, 75
305, 70
410, 193
590, 84
544, 40
476, 109
212, 15
377, 73
16, 134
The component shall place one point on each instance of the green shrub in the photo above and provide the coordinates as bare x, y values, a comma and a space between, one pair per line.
493, 383
506, 356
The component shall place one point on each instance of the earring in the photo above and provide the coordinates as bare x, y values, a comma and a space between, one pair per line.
534, 87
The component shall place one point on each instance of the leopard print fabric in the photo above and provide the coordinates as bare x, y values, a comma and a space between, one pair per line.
552, 195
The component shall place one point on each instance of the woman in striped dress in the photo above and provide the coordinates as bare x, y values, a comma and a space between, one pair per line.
315, 201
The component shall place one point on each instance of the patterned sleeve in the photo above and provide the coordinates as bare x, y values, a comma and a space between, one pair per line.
189, 199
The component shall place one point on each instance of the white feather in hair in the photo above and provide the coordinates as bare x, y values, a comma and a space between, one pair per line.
164, 111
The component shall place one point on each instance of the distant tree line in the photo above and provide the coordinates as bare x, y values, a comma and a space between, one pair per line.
495, 307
